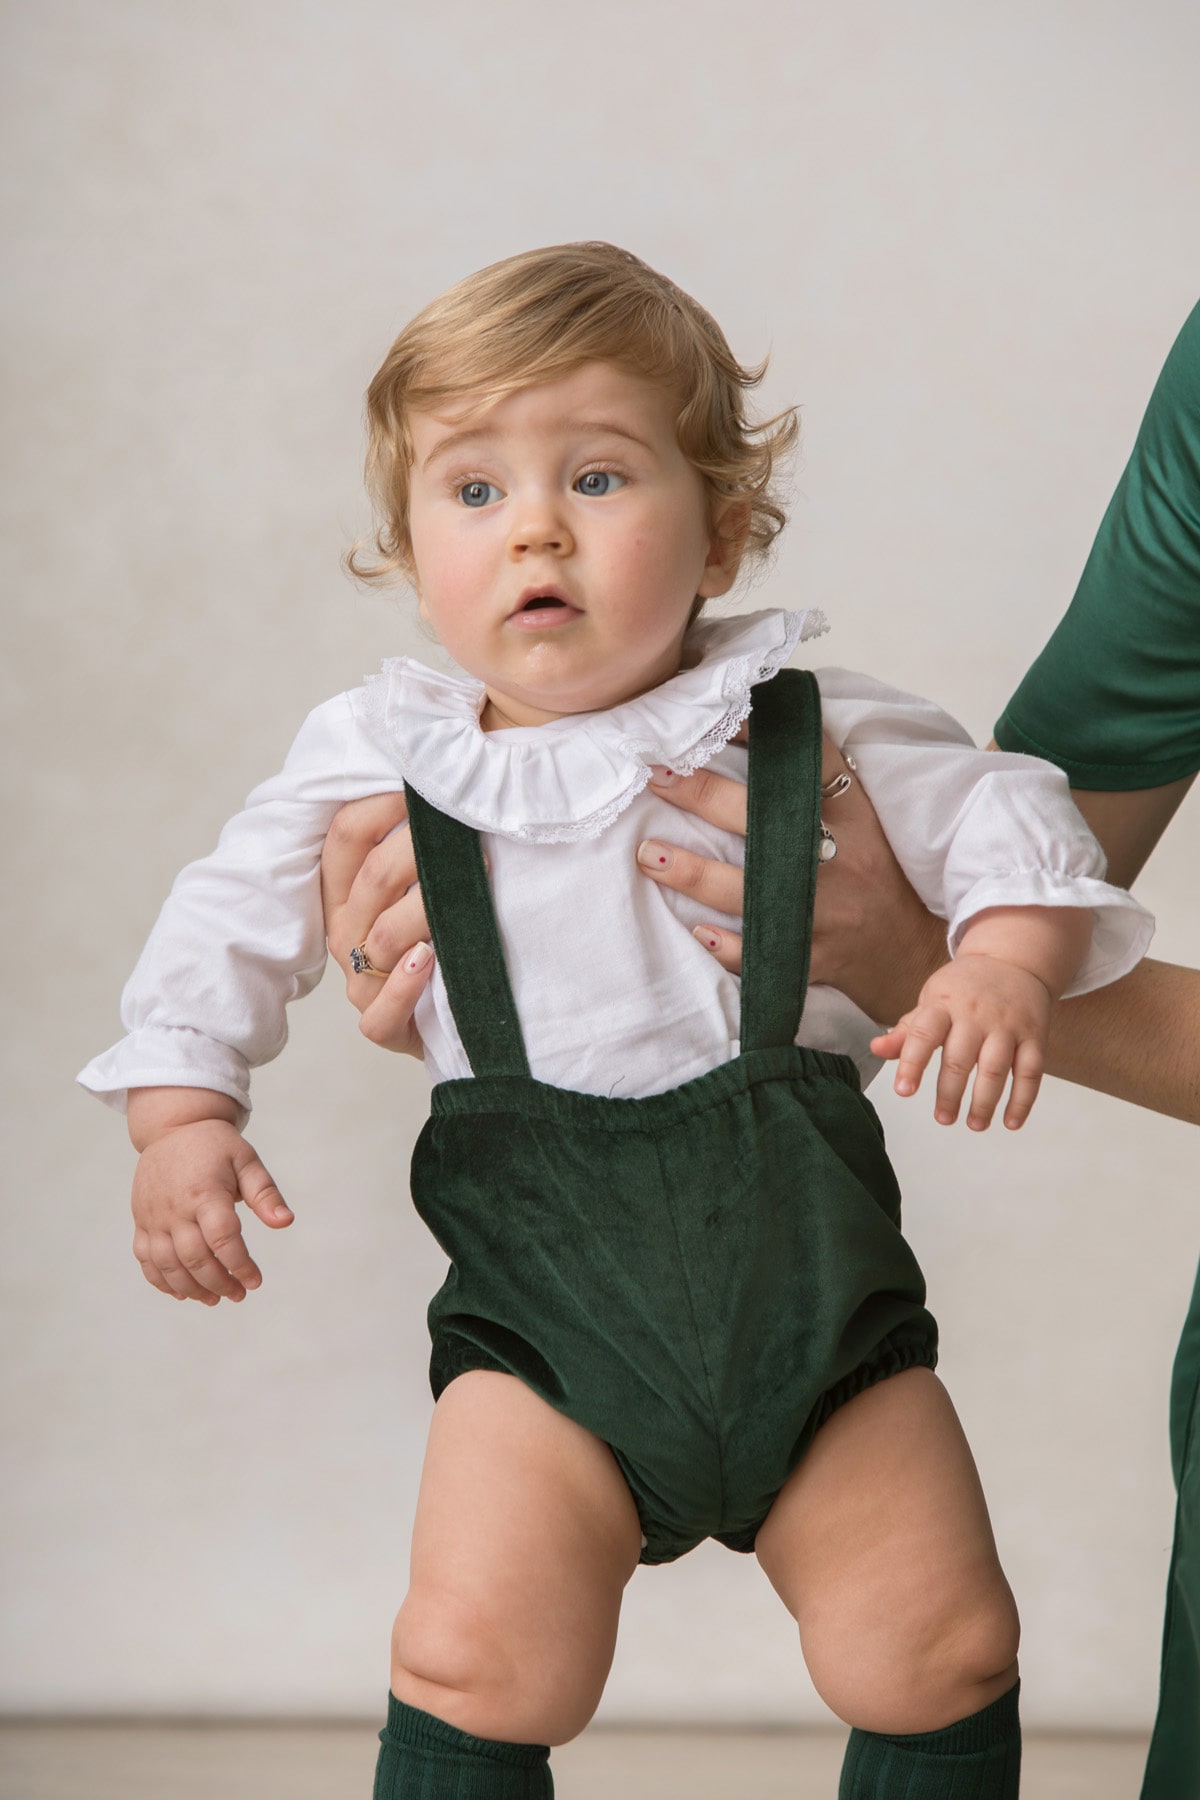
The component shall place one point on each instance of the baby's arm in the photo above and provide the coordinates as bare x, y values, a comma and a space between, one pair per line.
989, 1009
193, 1168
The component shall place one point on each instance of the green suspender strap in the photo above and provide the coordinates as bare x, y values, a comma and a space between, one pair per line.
782, 836
462, 923
781, 864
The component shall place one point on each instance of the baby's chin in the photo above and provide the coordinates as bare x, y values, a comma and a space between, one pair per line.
508, 708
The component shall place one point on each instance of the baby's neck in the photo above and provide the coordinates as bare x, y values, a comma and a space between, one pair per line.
493, 718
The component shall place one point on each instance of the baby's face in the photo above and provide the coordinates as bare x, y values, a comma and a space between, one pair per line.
560, 538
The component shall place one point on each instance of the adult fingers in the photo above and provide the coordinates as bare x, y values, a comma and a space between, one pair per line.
362, 880
391, 939
726, 946
722, 802
720, 799
714, 797
355, 830
992, 1072
388, 1020
1028, 1066
714, 884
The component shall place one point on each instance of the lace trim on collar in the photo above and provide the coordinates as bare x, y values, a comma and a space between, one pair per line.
487, 781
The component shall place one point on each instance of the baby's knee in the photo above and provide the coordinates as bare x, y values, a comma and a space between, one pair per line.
451, 1659
918, 1673
442, 1641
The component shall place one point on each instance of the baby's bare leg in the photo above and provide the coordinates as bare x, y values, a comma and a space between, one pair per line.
881, 1548
525, 1536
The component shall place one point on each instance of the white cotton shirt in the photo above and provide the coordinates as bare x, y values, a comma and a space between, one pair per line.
613, 993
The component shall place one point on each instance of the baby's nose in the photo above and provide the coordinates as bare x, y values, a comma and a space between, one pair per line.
540, 525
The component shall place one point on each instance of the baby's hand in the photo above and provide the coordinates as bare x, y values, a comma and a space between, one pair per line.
187, 1236
987, 1014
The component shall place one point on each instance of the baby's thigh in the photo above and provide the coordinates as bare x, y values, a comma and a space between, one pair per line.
524, 1538
881, 1547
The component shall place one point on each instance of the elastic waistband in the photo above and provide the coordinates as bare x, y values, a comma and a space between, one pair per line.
651, 1112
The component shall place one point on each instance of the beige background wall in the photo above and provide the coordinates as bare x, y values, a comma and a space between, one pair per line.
968, 234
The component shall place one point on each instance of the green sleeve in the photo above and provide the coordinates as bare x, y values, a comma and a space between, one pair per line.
1114, 698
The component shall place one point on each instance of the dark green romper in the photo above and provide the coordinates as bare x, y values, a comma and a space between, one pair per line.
699, 1277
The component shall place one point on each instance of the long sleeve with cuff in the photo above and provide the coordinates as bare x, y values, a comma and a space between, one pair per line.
615, 995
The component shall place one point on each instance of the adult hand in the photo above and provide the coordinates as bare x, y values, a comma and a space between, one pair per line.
872, 937
370, 895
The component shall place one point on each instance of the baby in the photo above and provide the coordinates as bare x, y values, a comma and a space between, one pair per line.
679, 1304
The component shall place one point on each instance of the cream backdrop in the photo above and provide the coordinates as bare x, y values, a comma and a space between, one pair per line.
968, 236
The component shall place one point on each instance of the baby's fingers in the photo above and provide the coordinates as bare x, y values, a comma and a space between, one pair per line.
1027, 1079
230, 1269
923, 1030
188, 1267
889, 1043
144, 1256
259, 1192
995, 1064
958, 1059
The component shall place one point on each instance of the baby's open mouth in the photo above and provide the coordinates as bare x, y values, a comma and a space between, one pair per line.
544, 609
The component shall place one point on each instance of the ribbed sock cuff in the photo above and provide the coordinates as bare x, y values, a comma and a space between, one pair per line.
417, 1730
976, 1758
982, 1730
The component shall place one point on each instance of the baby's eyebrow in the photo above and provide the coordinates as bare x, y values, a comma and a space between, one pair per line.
609, 427
456, 441
480, 434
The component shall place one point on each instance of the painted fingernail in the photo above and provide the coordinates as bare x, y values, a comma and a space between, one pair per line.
662, 776
418, 956
653, 856
708, 938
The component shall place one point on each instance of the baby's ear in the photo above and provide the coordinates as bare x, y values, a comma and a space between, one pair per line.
726, 547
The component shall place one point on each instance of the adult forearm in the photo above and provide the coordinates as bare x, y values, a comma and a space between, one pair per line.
1138, 1039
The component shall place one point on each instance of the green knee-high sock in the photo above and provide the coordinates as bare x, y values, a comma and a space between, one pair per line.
423, 1758
976, 1759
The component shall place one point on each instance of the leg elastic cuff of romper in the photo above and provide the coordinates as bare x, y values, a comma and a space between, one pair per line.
982, 1730
902, 1349
422, 1731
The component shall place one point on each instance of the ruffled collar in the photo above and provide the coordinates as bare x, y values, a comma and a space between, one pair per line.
571, 778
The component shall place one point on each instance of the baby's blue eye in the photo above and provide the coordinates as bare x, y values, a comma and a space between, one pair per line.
599, 481
478, 493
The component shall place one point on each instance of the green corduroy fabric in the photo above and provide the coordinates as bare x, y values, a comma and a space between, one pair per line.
701, 1276
423, 1758
977, 1758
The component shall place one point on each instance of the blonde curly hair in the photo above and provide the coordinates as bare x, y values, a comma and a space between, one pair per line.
538, 316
